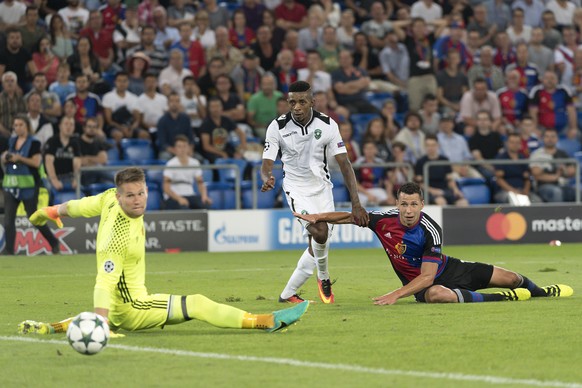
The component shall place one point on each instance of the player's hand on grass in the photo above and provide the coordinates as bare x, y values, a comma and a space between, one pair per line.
41, 216
387, 299
113, 334
360, 216
269, 184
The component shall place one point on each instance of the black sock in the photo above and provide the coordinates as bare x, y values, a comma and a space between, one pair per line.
466, 296
532, 287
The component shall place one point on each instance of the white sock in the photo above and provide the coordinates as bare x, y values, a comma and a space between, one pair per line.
302, 273
320, 252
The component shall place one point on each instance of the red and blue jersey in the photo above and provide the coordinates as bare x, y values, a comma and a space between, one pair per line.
442, 47
503, 59
552, 107
513, 104
407, 248
529, 76
89, 107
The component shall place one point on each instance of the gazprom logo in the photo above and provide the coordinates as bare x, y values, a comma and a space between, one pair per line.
222, 237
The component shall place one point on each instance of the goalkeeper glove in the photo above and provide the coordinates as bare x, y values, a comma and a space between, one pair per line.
113, 334
41, 216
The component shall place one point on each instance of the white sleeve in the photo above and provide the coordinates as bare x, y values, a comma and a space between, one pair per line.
336, 144
108, 101
272, 141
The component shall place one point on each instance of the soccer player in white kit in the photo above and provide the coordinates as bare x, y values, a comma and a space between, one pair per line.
305, 137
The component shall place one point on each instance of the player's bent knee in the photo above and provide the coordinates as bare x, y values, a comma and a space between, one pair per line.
440, 294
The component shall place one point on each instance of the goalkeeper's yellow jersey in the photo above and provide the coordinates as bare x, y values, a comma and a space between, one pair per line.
120, 250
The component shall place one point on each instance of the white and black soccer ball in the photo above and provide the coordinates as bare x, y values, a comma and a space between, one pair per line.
88, 333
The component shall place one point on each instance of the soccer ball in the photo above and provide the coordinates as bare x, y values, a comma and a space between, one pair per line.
88, 333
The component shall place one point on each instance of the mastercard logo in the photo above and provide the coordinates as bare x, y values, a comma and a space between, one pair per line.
511, 226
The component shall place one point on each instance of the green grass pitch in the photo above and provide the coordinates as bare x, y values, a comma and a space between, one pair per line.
349, 344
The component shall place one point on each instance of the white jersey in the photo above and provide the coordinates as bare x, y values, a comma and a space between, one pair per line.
304, 150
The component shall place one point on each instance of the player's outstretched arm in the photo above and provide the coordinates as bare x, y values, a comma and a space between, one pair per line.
49, 213
331, 217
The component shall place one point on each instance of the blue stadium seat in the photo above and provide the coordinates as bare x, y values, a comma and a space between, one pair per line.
340, 193
64, 196
265, 200
155, 199
228, 175
379, 98
360, 122
155, 177
570, 146
113, 151
97, 188
277, 173
222, 195
475, 190
138, 151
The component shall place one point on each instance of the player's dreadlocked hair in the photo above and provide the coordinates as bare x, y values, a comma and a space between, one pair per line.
299, 87
410, 188
129, 175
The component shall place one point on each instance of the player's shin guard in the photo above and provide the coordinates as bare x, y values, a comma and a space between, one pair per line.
320, 252
466, 296
304, 270
531, 286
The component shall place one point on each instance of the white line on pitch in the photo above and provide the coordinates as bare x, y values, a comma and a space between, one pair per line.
323, 365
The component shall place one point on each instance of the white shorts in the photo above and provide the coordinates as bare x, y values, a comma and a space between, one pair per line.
312, 204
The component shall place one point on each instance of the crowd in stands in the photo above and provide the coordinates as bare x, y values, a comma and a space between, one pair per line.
197, 82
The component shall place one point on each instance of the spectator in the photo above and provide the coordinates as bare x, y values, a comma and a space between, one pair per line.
319, 80
352, 147
452, 42
158, 57
93, 153
62, 157
253, 11
44, 61
291, 14
329, 49
122, 111
264, 48
429, 10
165, 35
216, 133
395, 62
217, 15
532, 11
378, 26
528, 72
11, 103
193, 53
84, 62
193, 102
504, 51
180, 12
31, 32
224, 49
173, 123
11, 13
350, 85
376, 132
101, 39
247, 76
203, 32
40, 127
240, 35
473, 47
113, 13
455, 148
51, 104
367, 59
179, 190
262, 106
22, 161
479, 99
552, 179
15, 58
170, 79
429, 114
485, 144
563, 11
564, 55
126, 35
513, 178
398, 176
277, 33
552, 107
388, 114
518, 31
372, 179
75, 17
321, 104
284, 74
452, 84
538, 54
346, 30
498, 13
481, 24
552, 37
137, 67
145, 12
60, 36
412, 136
360, 9
291, 43
207, 83
576, 84
309, 37
151, 105
86, 104
232, 105
332, 12
513, 99
442, 188
530, 137
70, 110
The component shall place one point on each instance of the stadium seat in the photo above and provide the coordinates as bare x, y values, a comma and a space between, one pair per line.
360, 122
64, 196
222, 195
97, 188
228, 175
155, 199
265, 200
113, 151
137, 151
570, 146
340, 194
475, 190
379, 98
155, 177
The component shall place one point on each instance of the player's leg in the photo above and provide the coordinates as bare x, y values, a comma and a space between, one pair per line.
504, 278
321, 233
30, 206
442, 294
305, 267
10, 207
34, 327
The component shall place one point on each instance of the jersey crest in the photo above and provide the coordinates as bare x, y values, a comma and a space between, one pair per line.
401, 248
317, 134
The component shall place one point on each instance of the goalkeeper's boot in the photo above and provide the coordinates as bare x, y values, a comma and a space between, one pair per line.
516, 294
558, 291
284, 318
325, 292
33, 327
292, 299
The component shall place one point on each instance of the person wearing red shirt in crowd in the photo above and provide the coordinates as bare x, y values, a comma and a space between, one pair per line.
285, 74
504, 52
452, 42
101, 39
113, 13
194, 56
513, 99
291, 42
291, 14
528, 72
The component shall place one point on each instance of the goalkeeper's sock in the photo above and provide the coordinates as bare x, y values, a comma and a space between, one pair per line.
60, 327
466, 296
531, 286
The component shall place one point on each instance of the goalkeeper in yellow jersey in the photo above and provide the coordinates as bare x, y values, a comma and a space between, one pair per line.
120, 291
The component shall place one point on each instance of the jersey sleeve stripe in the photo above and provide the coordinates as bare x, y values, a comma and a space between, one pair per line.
433, 231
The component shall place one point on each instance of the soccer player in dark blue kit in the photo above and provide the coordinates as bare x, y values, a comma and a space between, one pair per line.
413, 242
